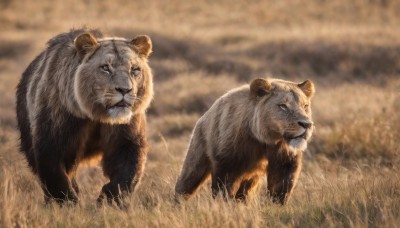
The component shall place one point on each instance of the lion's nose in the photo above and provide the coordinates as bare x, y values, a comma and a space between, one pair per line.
306, 124
123, 91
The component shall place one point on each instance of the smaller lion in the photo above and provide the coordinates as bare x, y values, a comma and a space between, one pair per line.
247, 133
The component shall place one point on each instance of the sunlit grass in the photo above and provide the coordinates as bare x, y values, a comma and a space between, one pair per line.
350, 49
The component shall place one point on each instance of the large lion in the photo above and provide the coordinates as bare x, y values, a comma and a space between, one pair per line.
84, 96
249, 132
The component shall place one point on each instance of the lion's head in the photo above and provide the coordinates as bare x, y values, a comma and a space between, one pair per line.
113, 81
282, 112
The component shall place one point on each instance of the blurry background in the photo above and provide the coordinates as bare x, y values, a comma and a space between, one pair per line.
202, 49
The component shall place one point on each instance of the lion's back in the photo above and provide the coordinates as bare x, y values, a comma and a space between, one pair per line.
224, 119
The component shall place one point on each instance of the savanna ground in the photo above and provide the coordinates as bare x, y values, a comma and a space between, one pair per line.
351, 49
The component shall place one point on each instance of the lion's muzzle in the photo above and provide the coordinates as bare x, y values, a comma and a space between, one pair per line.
298, 140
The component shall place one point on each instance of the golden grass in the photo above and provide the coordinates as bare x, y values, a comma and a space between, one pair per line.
351, 49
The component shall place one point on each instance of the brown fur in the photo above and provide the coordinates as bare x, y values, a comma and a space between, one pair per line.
249, 132
84, 96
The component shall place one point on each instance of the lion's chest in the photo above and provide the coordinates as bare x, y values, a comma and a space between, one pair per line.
244, 160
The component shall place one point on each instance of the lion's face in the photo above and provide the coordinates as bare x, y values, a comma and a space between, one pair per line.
283, 112
114, 81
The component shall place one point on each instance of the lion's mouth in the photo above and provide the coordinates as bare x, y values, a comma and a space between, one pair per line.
121, 104
120, 109
299, 136
298, 141
304, 136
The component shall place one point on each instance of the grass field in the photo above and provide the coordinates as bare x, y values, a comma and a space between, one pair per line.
350, 49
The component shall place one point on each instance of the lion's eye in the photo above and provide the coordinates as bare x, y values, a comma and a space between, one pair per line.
135, 71
283, 107
106, 69
306, 106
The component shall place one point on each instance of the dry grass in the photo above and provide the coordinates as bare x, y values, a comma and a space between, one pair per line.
351, 49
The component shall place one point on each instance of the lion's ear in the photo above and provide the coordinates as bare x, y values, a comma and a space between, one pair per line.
85, 43
142, 45
307, 87
260, 87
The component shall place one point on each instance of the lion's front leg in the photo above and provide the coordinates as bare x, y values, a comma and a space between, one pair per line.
123, 162
224, 181
245, 188
282, 175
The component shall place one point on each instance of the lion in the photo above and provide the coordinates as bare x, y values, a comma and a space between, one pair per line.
257, 129
84, 96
